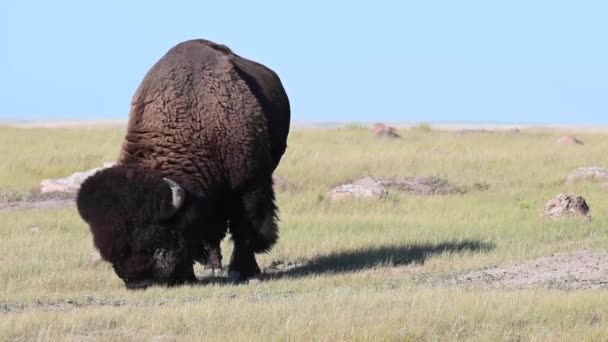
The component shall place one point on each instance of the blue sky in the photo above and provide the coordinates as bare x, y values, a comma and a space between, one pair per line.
408, 61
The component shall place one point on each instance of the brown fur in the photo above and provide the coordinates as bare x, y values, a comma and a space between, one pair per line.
217, 124
195, 117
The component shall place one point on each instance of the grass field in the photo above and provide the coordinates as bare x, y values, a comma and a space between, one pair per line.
359, 266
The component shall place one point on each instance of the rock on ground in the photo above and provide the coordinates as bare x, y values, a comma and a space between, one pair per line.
424, 185
70, 183
417, 185
568, 140
585, 173
566, 205
357, 191
382, 130
378, 188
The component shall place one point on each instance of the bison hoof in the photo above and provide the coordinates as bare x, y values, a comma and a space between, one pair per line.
237, 277
254, 281
234, 276
218, 272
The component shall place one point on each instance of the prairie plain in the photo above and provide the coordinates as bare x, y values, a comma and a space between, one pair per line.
407, 267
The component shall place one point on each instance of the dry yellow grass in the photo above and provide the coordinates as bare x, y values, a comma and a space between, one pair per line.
359, 282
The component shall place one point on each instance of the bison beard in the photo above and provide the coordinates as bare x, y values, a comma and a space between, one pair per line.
206, 130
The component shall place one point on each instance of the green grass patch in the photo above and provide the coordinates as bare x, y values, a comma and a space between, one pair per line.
357, 261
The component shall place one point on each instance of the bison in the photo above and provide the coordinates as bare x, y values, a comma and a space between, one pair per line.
206, 130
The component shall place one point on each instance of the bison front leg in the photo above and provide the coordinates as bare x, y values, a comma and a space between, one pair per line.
253, 229
242, 262
214, 259
212, 252
243, 265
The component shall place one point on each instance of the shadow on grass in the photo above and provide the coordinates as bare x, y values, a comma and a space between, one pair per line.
382, 256
362, 259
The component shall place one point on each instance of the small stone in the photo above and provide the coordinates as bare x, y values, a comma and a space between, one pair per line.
566, 205
357, 191
382, 130
423, 185
34, 229
95, 258
377, 188
568, 140
588, 173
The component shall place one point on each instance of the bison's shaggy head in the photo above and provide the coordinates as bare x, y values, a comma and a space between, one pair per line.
142, 223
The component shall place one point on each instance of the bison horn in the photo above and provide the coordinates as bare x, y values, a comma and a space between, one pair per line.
176, 192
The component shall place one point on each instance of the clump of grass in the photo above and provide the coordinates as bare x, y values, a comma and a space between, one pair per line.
422, 128
30, 155
356, 126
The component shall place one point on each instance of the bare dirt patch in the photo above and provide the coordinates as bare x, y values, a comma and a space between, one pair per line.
565, 271
35, 200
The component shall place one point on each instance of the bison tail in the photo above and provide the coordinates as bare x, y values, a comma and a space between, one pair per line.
266, 232
255, 218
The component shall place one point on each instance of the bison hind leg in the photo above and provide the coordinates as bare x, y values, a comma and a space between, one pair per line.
213, 261
253, 225
261, 212
266, 232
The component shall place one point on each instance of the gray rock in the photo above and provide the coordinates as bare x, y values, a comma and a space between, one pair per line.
566, 205
378, 188
71, 183
423, 185
382, 130
568, 140
370, 182
416, 185
588, 173
357, 191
